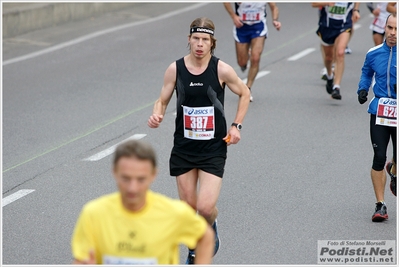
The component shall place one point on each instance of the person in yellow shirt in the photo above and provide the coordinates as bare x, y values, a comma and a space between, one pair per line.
137, 225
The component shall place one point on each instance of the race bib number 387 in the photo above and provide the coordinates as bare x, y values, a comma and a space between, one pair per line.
199, 123
387, 112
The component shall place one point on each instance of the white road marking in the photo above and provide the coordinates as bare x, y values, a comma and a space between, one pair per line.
110, 150
99, 33
259, 75
17, 195
357, 26
301, 54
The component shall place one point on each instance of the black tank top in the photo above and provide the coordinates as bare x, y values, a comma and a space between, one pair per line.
202, 90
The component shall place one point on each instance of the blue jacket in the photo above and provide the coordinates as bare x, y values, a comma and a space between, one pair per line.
381, 61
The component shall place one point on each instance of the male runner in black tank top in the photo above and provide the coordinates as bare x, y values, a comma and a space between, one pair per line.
201, 136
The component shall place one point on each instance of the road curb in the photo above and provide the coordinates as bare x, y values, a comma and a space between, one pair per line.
22, 18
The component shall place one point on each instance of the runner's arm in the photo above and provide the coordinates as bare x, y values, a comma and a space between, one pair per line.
322, 4
166, 93
391, 7
229, 76
370, 6
236, 19
375, 11
365, 82
205, 247
275, 14
356, 13
366, 76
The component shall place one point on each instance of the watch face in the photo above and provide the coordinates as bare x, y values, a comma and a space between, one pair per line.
237, 125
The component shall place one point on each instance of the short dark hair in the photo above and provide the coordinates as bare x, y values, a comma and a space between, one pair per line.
393, 15
135, 149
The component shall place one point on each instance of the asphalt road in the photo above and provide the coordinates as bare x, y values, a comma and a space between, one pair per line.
300, 173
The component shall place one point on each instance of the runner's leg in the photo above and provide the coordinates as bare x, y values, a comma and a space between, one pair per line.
323, 55
328, 58
347, 49
209, 190
378, 38
187, 187
208, 194
393, 138
340, 44
242, 50
393, 169
256, 52
379, 180
380, 136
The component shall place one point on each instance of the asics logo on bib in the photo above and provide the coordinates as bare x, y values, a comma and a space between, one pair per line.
198, 112
390, 102
196, 84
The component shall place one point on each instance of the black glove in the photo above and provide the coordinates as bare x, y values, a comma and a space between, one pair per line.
362, 97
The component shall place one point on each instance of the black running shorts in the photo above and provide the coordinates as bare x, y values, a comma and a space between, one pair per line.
180, 164
328, 35
383, 34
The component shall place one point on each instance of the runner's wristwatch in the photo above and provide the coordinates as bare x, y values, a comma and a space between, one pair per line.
237, 125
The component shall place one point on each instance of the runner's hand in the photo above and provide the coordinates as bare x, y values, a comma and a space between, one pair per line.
155, 120
237, 21
355, 16
91, 260
92, 257
362, 97
233, 135
376, 12
277, 24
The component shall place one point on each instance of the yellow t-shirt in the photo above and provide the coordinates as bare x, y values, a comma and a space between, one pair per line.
149, 236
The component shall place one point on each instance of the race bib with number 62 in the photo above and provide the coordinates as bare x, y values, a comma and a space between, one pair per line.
387, 112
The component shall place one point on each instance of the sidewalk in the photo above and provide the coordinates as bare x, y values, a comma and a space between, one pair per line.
20, 18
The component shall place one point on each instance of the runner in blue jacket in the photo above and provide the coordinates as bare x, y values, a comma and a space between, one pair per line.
380, 63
